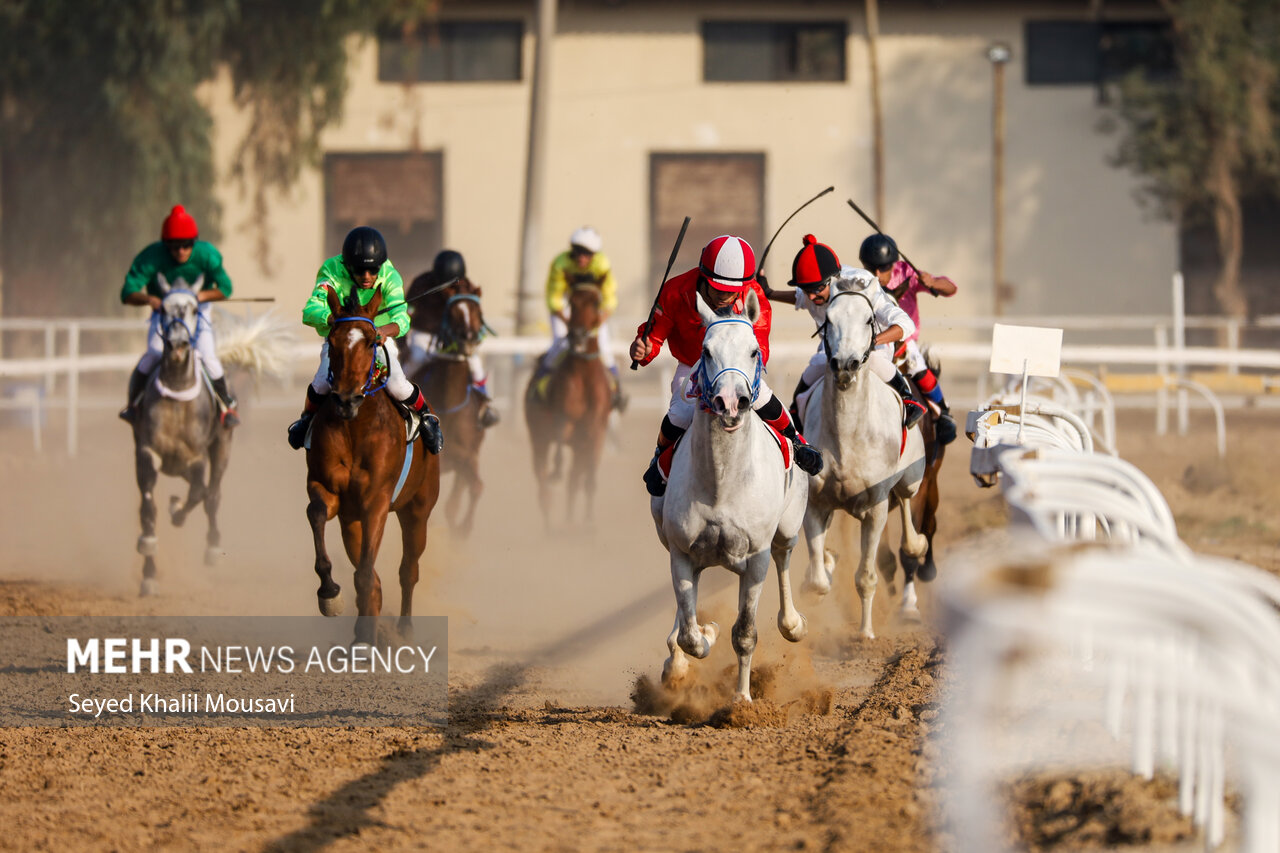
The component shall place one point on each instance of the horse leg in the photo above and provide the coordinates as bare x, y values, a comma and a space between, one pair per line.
914, 548
694, 639
413, 540
470, 471
322, 507
541, 444
791, 622
865, 578
368, 585
219, 454
676, 666
178, 509
750, 582
817, 578
929, 525
145, 469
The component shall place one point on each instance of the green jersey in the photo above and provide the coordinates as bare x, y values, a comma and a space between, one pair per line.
334, 275
156, 259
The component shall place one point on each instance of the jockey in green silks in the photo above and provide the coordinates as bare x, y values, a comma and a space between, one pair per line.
363, 266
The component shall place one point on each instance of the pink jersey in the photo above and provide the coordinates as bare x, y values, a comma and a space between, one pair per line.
902, 271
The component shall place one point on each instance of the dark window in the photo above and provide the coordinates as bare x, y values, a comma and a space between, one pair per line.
1090, 52
452, 51
761, 51
720, 193
400, 194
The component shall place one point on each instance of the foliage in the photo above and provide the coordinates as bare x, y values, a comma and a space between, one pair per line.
102, 128
1209, 136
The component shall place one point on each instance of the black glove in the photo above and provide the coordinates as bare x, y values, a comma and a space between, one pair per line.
808, 458
764, 282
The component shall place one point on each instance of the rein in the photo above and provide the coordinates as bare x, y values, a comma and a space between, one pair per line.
705, 382
871, 321
373, 364
449, 341
167, 322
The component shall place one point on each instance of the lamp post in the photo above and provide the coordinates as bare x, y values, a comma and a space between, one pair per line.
999, 53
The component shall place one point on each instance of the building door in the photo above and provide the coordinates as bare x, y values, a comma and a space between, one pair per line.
722, 193
401, 194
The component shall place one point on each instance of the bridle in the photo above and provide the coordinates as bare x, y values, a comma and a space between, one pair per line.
167, 322
704, 383
578, 336
450, 340
826, 325
373, 363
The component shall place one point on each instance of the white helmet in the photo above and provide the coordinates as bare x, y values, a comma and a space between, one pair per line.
588, 238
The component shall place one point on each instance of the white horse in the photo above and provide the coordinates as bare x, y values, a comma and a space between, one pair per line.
729, 500
856, 419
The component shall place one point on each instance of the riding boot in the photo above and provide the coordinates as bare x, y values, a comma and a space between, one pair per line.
488, 415
912, 408
794, 408
137, 384
230, 417
298, 429
945, 427
668, 435
808, 458
429, 429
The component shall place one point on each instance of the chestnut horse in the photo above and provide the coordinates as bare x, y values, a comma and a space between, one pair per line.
574, 410
924, 508
358, 470
446, 381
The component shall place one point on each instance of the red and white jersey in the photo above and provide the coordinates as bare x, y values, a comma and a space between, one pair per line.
677, 321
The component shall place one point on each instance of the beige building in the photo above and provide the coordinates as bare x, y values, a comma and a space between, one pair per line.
734, 114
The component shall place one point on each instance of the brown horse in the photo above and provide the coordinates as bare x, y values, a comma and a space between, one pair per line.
446, 380
574, 409
924, 506
355, 464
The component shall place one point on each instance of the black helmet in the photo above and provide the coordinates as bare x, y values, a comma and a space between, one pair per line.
878, 252
364, 249
449, 264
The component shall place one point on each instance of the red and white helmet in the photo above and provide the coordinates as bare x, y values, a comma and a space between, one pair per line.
728, 263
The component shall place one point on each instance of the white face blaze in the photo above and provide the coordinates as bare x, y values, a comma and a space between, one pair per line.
355, 337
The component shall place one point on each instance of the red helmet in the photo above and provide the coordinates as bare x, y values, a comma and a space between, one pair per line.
814, 264
728, 263
179, 225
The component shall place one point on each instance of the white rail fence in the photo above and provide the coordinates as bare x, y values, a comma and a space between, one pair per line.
1087, 636
70, 362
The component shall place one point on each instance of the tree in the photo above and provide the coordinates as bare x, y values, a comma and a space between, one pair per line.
1209, 136
102, 131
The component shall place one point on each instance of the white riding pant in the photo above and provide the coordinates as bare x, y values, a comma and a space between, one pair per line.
397, 384
560, 340
879, 362
204, 343
915, 359
422, 349
684, 399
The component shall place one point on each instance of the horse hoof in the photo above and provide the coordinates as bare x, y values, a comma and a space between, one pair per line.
674, 672
815, 589
147, 546
212, 556
829, 562
150, 587
710, 632
797, 633
928, 571
175, 504
332, 606
742, 699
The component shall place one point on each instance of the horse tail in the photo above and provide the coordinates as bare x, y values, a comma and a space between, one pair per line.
931, 360
262, 344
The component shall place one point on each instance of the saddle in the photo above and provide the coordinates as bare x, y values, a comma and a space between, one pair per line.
784, 447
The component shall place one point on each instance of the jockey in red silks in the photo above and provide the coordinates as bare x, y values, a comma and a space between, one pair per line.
725, 271
879, 253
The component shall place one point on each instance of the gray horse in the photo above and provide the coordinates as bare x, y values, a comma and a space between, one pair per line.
178, 430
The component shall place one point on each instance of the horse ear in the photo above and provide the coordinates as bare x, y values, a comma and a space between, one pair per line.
331, 296
374, 304
751, 306
198, 283
162, 283
704, 310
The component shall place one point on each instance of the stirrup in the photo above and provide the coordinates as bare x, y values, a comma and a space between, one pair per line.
128, 414
429, 429
912, 412
230, 417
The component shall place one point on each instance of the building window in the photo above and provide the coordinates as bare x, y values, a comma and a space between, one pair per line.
773, 51
400, 194
1063, 53
721, 193
452, 52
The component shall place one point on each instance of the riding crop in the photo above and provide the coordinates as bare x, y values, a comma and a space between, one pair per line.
675, 250
873, 224
760, 263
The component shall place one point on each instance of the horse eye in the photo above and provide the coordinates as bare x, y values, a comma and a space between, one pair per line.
755, 353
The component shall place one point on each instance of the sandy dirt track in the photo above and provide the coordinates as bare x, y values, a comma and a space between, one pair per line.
549, 635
